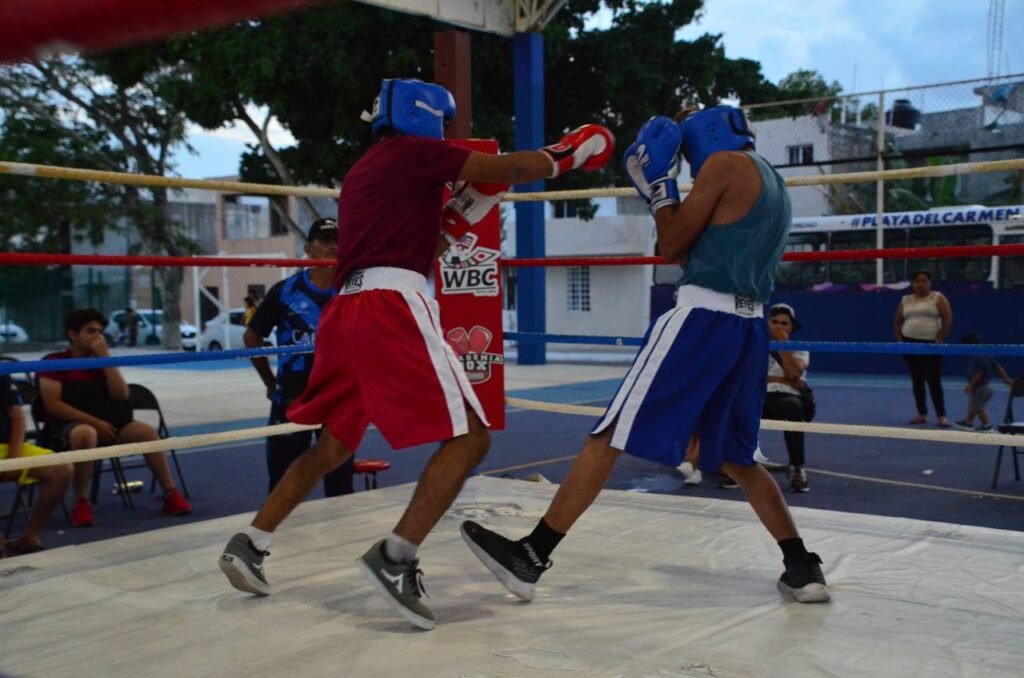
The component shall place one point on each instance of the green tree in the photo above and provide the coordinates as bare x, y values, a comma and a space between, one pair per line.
807, 86
110, 110
316, 86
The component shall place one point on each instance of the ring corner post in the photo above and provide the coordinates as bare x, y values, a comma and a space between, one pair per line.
531, 308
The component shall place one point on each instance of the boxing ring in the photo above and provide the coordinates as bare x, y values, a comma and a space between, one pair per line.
647, 585
689, 579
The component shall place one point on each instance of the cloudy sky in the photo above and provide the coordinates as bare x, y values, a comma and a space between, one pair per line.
889, 43
863, 44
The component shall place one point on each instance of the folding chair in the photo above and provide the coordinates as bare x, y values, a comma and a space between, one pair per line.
1012, 426
142, 398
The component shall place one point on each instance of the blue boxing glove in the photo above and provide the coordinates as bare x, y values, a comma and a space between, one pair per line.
652, 162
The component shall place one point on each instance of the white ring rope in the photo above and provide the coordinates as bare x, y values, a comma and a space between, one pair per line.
162, 445
962, 437
207, 439
75, 174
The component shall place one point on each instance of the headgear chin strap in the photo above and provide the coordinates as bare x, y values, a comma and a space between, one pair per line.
412, 107
722, 128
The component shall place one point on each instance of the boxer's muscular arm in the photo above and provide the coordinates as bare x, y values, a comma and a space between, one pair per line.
588, 148
726, 189
510, 168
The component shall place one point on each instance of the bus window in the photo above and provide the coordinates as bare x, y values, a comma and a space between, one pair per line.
804, 274
863, 272
972, 270
1011, 269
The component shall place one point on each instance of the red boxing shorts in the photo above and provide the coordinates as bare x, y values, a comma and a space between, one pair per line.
381, 358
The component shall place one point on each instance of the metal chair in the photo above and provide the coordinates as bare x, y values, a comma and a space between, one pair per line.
142, 398
1012, 426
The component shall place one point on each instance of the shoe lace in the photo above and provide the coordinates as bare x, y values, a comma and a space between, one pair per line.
414, 579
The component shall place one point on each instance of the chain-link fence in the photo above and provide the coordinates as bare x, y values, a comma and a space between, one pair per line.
965, 121
942, 124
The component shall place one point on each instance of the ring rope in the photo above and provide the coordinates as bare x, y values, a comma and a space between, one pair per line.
151, 180
43, 259
792, 182
950, 252
208, 439
67, 364
962, 437
161, 445
872, 348
25, 169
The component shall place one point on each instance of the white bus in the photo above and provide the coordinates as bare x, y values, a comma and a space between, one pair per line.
941, 227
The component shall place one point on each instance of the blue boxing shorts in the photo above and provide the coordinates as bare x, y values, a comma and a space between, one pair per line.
702, 368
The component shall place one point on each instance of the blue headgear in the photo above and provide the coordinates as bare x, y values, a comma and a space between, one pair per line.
722, 128
411, 107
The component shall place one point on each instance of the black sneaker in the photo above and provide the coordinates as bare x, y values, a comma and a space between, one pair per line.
803, 580
728, 483
514, 563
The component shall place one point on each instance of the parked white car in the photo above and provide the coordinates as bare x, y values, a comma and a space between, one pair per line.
12, 334
151, 329
224, 331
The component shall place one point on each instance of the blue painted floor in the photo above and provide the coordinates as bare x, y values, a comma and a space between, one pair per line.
929, 481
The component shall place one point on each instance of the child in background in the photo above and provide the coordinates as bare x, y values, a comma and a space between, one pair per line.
979, 373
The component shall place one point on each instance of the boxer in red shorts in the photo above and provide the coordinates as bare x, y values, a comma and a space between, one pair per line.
380, 356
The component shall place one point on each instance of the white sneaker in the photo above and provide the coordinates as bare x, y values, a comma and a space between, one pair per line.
694, 478
686, 468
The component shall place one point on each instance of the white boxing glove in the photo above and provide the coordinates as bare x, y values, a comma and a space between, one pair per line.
470, 202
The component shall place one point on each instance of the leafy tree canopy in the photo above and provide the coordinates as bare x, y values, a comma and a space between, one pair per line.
316, 70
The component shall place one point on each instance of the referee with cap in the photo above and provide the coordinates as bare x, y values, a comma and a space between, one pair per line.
291, 310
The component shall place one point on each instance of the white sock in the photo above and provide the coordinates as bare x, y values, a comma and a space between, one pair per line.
259, 538
399, 549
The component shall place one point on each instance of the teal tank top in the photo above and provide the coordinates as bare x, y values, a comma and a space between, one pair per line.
741, 257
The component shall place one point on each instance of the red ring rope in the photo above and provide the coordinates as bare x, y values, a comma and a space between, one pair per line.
39, 259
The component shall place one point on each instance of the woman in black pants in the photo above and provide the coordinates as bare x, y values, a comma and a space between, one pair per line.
924, 317
784, 400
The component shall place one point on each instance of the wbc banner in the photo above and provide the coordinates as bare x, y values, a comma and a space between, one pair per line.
467, 283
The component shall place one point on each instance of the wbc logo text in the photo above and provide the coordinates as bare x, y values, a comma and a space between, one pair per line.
469, 269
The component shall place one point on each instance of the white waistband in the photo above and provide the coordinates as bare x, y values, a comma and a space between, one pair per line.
383, 278
693, 296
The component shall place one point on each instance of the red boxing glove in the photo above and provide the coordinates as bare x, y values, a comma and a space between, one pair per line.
471, 201
588, 148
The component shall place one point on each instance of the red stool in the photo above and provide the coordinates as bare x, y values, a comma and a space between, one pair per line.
370, 468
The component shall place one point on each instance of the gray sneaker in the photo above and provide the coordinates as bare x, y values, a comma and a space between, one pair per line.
243, 565
401, 583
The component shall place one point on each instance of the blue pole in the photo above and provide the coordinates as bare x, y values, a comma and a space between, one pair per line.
531, 308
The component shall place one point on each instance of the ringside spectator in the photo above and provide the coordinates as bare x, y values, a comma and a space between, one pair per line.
86, 408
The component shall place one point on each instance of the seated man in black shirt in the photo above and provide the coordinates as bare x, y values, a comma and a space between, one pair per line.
85, 408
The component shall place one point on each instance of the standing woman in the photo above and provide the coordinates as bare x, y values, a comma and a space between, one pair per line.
925, 317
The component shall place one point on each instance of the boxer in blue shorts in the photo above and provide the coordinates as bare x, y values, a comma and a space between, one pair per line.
701, 371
